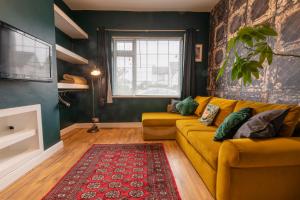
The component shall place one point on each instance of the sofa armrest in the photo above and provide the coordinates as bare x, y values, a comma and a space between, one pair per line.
262, 165
245, 153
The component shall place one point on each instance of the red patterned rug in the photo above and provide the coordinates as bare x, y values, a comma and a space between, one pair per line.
119, 171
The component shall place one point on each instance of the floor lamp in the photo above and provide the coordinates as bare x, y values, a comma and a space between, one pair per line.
95, 73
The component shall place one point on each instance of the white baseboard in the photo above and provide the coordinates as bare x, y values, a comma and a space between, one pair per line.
101, 125
22, 170
68, 129
112, 125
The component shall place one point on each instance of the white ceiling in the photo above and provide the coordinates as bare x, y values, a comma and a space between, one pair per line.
143, 5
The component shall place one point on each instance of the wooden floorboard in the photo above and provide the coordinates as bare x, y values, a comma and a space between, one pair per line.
36, 183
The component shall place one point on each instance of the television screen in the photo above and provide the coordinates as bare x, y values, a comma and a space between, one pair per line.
23, 56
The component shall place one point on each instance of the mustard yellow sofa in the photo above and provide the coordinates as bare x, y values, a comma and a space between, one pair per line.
236, 169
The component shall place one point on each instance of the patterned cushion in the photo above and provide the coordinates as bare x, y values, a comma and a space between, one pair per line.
209, 114
232, 123
187, 106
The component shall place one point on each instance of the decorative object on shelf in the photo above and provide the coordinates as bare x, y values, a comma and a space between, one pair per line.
68, 78
198, 52
95, 73
254, 40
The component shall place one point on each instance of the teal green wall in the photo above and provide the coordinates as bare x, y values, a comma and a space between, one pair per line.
123, 110
36, 18
128, 110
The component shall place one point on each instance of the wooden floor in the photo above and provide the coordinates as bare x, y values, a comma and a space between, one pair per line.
35, 184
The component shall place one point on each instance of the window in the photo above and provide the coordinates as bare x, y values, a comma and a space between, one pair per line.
147, 66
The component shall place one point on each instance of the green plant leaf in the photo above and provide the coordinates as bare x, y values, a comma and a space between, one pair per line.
221, 71
234, 73
231, 43
267, 30
262, 57
253, 65
247, 40
269, 55
256, 74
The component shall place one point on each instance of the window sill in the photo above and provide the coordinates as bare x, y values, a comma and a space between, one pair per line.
145, 97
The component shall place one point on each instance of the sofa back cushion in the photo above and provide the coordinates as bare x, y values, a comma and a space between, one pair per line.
202, 101
290, 120
226, 107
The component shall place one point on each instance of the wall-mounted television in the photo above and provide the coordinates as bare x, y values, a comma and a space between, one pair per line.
23, 56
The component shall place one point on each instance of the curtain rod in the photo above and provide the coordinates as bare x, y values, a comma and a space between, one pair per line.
146, 30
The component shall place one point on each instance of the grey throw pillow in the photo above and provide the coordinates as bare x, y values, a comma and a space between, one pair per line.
173, 104
263, 125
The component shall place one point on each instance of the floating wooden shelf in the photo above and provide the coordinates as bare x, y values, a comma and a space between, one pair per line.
67, 25
70, 86
13, 138
67, 55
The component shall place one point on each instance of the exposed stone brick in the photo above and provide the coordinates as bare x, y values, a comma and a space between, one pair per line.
236, 23
220, 34
219, 57
289, 31
259, 8
236, 4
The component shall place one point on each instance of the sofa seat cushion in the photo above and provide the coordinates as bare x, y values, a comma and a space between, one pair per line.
290, 121
205, 145
186, 126
163, 118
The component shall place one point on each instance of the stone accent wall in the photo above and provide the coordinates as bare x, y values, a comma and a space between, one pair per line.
279, 82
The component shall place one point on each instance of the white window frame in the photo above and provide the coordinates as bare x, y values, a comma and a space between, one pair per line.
132, 54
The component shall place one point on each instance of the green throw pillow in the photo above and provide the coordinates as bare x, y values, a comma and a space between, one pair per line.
232, 123
187, 106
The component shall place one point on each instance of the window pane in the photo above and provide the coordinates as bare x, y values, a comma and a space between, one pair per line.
174, 47
152, 61
123, 76
152, 47
154, 64
120, 46
163, 47
128, 46
141, 47
163, 60
124, 46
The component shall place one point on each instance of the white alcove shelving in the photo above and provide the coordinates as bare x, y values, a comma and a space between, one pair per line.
21, 137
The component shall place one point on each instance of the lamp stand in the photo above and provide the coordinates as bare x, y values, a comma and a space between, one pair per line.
94, 128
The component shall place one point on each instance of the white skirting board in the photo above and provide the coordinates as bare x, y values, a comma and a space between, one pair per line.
101, 125
19, 172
